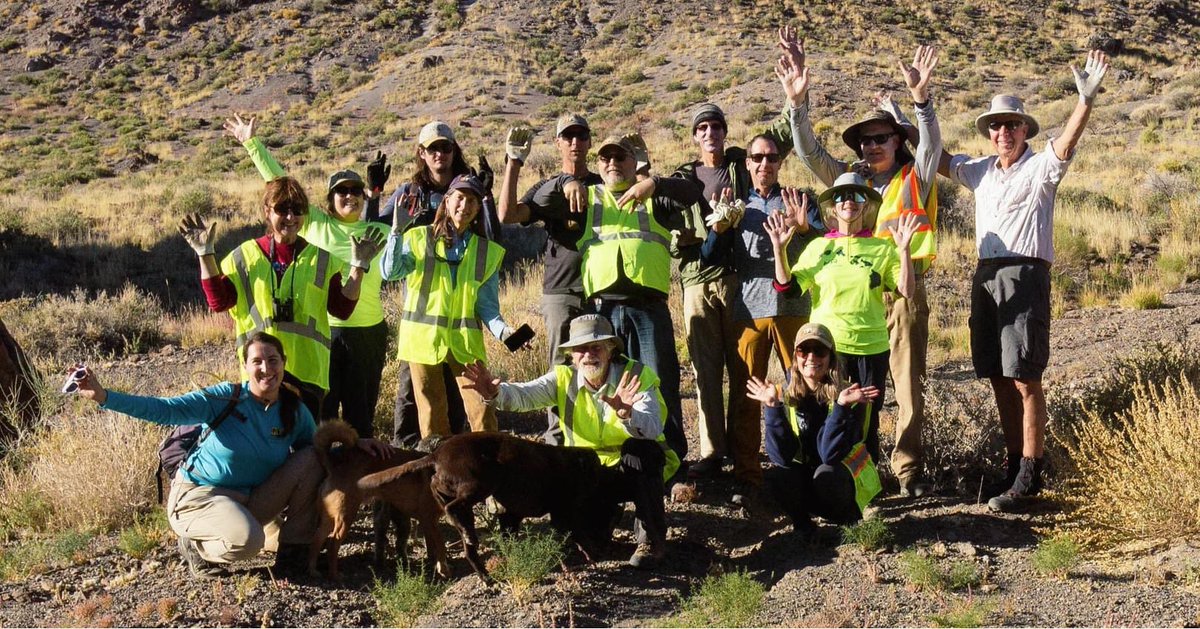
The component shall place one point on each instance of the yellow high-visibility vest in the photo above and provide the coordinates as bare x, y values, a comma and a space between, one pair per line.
614, 240
858, 461
904, 195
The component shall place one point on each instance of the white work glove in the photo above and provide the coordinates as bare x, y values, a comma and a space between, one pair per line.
724, 211
518, 143
1088, 82
200, 237
364, 249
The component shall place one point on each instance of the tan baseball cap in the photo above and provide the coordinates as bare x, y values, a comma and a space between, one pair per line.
435, 131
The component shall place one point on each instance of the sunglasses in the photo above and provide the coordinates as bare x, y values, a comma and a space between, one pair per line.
1011, 125
284, 210
857, 197
613, 157
576, 134
348, 191
772, 158
444, 148
879, 139
812, 349
73, 379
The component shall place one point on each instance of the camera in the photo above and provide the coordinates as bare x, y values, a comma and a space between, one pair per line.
284, 311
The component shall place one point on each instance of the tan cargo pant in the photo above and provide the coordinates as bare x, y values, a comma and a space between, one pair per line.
429, 390
228, 525
908, 333
712, 343
756, 338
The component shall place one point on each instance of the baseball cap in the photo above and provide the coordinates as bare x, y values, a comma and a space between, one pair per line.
566, 121
469, 183
620, 141
815, 332
433, 132
343, 176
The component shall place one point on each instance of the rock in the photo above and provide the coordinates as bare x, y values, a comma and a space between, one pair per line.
966, 549
939, 549
1105, 42
17, 391
37, 63
988, 588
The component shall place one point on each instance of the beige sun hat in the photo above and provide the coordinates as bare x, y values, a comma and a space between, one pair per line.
850, 182
589, 328
1008, 106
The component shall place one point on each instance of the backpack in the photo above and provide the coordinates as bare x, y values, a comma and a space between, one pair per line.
178, 445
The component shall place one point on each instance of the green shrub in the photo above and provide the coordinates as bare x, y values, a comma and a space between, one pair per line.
82, 326
965, 614
962, 575
729, 600
406, 599
526, 558
144, 535
920, 572
37, 556
871, 534
23, 510
1056, 555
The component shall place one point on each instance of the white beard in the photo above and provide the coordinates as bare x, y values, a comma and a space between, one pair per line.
592, 373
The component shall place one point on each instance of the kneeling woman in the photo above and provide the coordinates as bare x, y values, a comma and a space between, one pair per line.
453, 282
243, 474
816, 434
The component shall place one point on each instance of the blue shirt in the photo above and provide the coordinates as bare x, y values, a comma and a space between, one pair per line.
239, 454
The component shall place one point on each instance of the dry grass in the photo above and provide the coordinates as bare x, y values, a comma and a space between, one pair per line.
1136, 469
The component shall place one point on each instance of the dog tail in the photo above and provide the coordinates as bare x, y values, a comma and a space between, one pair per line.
371, 482
330, 433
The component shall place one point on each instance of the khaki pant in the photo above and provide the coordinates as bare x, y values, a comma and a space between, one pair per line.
756, 337
429, 389
908, 333
227, 525
712, 343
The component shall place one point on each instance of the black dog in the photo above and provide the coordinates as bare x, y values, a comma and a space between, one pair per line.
527, 478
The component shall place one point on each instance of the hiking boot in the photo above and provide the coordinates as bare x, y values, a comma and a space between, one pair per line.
198, 567
648, 555
1026, 484
706, 467
291, 560
915, 487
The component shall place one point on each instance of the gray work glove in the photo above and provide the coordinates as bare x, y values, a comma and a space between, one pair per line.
518, 143
364, 248
1088, 81
201, 237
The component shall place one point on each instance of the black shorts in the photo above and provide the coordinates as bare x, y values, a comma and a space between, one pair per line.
1010, 318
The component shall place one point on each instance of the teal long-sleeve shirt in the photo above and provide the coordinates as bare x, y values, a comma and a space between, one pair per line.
239, 454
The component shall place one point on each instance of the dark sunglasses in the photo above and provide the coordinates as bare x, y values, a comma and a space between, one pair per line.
879, 139
857, 197
1011, 125
73, 379
613, 157
772, 158
813, 349
284, 210
444, 148
576, 134
348, 191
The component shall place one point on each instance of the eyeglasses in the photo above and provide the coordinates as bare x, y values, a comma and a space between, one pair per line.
613, 157
445, 148
287, 208
878, 139
1011, 125
772, 158
812, 349
348, 191
857, 197
583, 135
590, 348
73, 379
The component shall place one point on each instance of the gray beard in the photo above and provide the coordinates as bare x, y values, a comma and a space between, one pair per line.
592, 373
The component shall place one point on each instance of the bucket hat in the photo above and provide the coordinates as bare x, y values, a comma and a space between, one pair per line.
1008, 106
850, 182
589, 328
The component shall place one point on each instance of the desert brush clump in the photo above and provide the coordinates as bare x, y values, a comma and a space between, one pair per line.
1056, 555
82, 325
870, 534
525, 558
403, 601
732, 599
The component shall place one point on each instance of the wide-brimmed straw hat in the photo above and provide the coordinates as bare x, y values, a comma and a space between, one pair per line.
1008, 106
850, 182
589, 328
852, 136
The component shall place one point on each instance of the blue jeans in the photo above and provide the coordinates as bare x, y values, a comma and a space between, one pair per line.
645, 328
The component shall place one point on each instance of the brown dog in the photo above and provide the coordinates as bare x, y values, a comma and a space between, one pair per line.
340, 498
527, 478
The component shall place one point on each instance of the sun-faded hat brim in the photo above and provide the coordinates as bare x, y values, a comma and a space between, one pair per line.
584, 339
981, 123
852, 136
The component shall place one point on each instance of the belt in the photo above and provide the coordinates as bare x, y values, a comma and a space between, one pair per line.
1014, 261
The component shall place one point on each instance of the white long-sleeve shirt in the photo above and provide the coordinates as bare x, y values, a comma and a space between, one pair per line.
645, 421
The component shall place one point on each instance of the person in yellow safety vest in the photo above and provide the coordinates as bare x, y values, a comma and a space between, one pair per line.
283, 285
611, 404
453, 280
816, 430
907, 183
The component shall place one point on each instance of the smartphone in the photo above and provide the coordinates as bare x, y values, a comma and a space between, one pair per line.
519, 338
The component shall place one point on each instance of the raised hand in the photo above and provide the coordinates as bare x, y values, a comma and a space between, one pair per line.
917, 76
241, 130
793, 78
201, 237
779, 229
89, 385
719, 220
364, 249
487, 176
518, 144
856, 393
637, 193
378, 172
904, 231
1087, 82
790, 45
626, 395
403, 211
795, 205
481, 380
762, 391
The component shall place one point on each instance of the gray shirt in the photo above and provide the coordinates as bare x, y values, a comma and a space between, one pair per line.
645, 422
754, 261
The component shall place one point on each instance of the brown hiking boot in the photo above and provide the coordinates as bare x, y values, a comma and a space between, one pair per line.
648, 555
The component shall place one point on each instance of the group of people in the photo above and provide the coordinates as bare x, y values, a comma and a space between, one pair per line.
833, 283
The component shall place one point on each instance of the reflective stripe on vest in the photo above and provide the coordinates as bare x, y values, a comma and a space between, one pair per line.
306, 339
611, 238
903, 195
858, 462
608, 446
432, 328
